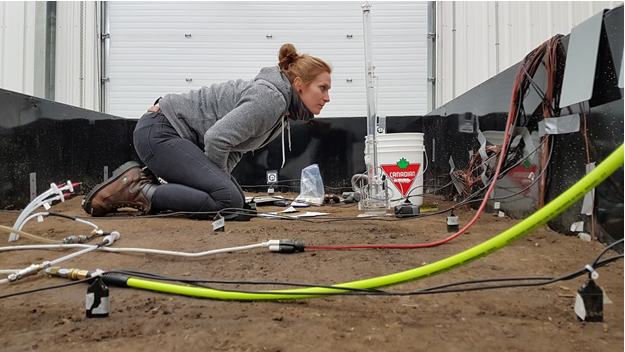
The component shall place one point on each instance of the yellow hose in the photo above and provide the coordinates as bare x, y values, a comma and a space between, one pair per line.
540, 217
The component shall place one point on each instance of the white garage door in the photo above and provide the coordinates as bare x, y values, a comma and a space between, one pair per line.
172, 47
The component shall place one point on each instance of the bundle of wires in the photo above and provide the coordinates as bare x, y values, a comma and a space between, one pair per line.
551, 55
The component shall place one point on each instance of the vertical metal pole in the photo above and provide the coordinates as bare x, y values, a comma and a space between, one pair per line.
431, 48
106, 173
497, 37
453, 51
104, 53
50, 51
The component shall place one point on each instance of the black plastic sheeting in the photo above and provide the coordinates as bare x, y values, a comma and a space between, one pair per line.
60, 142
486, 107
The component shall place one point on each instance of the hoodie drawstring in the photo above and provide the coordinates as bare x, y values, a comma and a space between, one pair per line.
283, 155
288, 127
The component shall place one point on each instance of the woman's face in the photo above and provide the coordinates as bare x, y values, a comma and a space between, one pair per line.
316, 94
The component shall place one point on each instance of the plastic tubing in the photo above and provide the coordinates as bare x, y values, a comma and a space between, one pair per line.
37, 202
540, 217
138, 250
28, 235
47, 214
75, 254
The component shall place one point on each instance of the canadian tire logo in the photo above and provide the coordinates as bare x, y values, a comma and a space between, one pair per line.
402, 174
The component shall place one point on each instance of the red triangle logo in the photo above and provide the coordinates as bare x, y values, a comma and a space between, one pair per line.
522, 176
402, 178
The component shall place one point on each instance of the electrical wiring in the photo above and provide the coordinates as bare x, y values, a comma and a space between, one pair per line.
71, 283
228, 282
553, 50
502, 174
559, 204
611, 246
569, 197
349, 291
536, 179
504, 146
549, 50
331, 219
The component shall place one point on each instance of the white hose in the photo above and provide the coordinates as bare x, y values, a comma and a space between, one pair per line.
137, 250
70, 256
36, 203
87, 223
39, 201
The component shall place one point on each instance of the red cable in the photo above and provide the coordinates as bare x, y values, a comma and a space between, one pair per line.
511, 117
482, 206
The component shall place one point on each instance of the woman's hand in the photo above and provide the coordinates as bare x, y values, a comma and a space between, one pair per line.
156, 108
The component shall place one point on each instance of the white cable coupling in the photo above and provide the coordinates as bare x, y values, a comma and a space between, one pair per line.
97, 272
111, 238
593, 274
286, 246
273, 245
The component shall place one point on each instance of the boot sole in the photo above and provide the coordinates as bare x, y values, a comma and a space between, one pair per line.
116, 174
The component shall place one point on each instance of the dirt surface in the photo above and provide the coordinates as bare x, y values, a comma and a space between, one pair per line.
510, 319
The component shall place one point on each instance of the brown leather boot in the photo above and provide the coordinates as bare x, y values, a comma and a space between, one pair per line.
127, 188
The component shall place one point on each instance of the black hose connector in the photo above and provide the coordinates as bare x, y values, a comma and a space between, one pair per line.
116, 280
290, 246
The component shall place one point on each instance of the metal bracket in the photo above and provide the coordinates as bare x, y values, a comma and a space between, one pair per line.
33, 186
104, 36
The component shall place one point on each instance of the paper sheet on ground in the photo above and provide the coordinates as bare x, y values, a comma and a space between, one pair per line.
263, 199
279, 215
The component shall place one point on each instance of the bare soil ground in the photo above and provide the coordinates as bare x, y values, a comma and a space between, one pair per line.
511, 319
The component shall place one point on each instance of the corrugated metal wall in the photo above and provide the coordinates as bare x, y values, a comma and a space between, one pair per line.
167, 47
77, 61
17, 46
78, 54
484, 30
521, 27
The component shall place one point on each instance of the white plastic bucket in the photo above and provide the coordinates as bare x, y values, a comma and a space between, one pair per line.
400, 155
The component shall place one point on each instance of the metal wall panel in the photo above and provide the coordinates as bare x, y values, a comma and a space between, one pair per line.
17, 46
78, 54
522, 26
165, 47
239, 46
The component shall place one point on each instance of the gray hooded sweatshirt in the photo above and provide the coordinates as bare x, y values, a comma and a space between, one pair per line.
231, 118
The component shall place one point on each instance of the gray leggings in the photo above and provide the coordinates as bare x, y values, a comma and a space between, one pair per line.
195, 183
